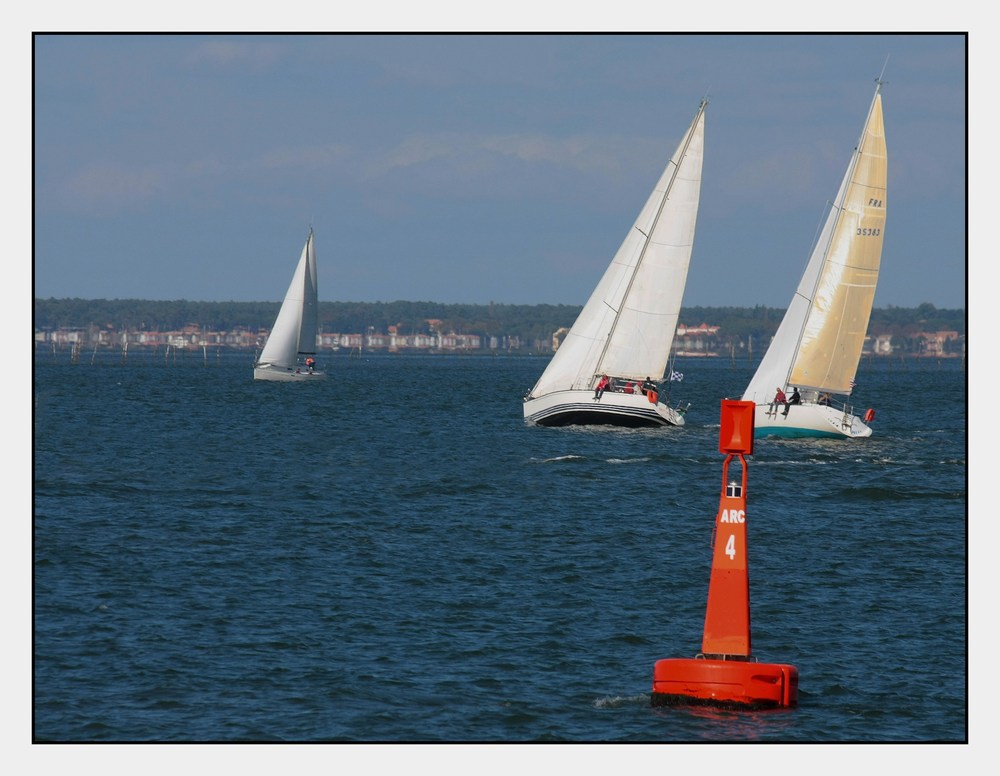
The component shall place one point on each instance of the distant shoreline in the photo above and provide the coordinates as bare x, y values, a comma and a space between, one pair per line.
729, 332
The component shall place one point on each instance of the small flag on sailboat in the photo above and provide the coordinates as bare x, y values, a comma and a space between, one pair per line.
676, 377
853, 383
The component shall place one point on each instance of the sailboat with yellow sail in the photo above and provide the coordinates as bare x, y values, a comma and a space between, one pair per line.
815, 352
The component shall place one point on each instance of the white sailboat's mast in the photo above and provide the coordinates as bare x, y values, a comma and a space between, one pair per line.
652, 228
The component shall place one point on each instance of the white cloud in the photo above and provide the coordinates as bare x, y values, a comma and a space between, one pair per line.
103, 187
258, 54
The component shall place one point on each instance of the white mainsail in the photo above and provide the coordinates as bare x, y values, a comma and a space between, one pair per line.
294, 332
627, 326
818, 344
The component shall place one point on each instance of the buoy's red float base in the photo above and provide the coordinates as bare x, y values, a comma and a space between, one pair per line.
727, 684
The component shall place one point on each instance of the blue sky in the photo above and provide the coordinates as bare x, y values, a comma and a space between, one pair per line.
478, 168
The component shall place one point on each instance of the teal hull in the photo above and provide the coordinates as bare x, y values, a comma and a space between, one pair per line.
794, 433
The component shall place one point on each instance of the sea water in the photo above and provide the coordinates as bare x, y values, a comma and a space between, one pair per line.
393, 555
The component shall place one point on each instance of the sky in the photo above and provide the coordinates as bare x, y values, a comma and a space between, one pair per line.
478, 168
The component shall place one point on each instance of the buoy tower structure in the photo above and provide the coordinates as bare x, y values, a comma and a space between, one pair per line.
725, 674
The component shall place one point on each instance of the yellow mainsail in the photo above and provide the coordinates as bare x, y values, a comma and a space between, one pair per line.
835, 328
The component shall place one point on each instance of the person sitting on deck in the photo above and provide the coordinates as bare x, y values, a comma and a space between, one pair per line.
796, 398
779, 398
602, 386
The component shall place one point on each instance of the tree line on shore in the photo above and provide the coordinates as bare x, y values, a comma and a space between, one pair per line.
528, 322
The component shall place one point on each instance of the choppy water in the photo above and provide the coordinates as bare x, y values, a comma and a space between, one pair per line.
392, 555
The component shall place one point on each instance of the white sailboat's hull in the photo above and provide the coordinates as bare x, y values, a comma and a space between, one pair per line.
579, 407
285, 374
808, 421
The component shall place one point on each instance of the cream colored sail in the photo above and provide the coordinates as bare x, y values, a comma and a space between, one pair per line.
818, 344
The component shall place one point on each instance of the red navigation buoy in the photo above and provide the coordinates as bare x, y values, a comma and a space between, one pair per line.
725, 673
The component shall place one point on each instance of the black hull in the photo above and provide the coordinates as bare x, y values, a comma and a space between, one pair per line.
596, 418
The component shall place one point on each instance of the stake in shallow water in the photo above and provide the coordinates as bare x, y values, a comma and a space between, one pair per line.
725, 674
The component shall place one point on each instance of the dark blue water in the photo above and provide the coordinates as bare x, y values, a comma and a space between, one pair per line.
392, 555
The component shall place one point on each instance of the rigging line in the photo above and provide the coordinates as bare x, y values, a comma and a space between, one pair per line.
824, 214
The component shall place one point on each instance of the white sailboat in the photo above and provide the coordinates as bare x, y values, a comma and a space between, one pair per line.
817, 346
625, 330
290, 350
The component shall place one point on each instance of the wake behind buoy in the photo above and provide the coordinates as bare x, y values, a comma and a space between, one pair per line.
869, 415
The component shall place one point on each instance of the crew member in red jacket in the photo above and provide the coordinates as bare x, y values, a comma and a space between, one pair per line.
779, 398
602, 386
